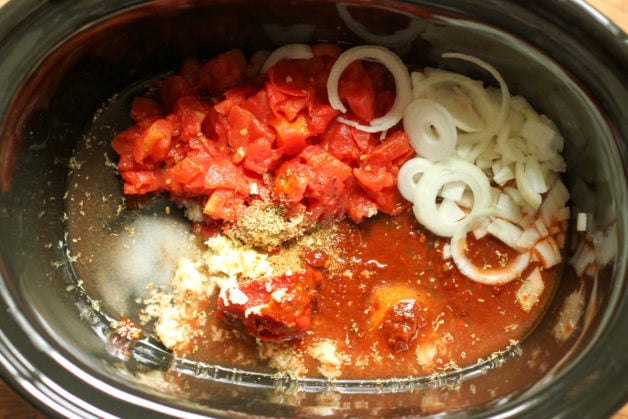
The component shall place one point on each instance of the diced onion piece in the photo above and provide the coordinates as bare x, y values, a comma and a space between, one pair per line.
460, 106
556, 199
581, 221
525, 187
530, 290
495, 125
548, 252
431, 129
448, 210
409, 175
428, 188
490, 276
399, 71
528, 238
510, 210
288, 52
453, 191
505, 231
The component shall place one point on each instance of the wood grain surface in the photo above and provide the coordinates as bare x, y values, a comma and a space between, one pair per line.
13, 406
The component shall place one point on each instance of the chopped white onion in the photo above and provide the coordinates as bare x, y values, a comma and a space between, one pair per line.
409, 175
556, 199
525, 187
287, 52
399, 71
505, 231
431, 129
488, 276
548, 252
428, 188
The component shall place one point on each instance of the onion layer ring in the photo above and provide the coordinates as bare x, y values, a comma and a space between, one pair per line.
288, 52
490, 276
431, 129
427, 189
409, 175
399, 71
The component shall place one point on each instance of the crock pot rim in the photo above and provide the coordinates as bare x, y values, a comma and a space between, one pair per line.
30, 379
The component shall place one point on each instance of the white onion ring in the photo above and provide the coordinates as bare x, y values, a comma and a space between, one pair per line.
428, 187
495, 125
431, 129
399, 71
491, 276
397, 39
409, 175
288, 52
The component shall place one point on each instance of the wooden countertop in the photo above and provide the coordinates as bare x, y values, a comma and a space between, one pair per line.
13, 406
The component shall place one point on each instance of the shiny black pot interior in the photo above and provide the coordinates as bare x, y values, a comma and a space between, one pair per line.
64, 60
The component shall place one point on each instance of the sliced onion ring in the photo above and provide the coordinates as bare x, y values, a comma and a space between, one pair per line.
430, 184
409, 175
399, 71
288, 52
491, 276
495, 125
431, 129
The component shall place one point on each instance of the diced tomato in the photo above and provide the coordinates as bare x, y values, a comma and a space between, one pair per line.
141, 182
326, 50
171, 89
320, 118
189, 71
144, 108
222, 72
245, 127
291, 135
356, 88
374, 178
224, 204
213, 132
259, 155
224, 174
275, 309
257, 104
329, 175
390, 201
393, 150
191, 113
154, 142
232, 97
291, 181
338, 140
189, 172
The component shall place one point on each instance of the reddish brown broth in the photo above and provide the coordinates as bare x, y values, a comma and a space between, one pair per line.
392, 257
